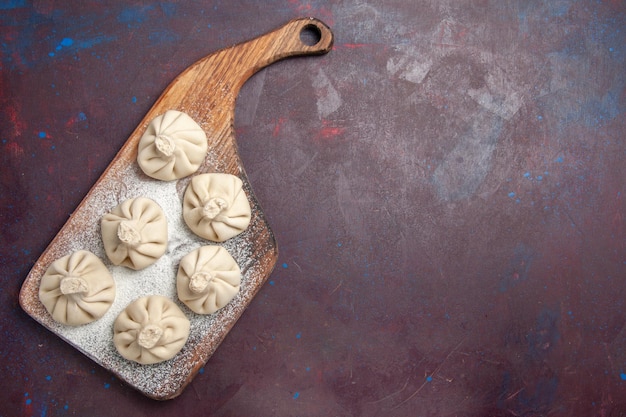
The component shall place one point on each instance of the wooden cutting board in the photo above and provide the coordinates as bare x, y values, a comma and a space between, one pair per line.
206, 91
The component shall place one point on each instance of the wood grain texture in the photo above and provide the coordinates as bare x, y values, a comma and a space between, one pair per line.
207, 91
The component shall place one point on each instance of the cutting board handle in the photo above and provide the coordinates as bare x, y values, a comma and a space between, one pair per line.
305, 36
228, 69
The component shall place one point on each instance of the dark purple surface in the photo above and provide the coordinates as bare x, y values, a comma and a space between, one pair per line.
446, 187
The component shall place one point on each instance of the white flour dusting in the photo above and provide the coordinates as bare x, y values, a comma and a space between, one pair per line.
254, 250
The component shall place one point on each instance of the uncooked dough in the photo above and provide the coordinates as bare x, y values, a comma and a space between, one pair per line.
150, 330
172, 147
135, 233
77, 289
208, 278
215, 206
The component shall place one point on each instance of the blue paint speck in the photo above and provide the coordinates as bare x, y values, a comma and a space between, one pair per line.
67, 42
28, 401
107, 385
48, 378
201, 371
285, 265
82, 117
511, 194
66, 407
539, 117
623, 376
296, 395
272, 283
559, 159
526, 174
429, 378
134, 99
299, 335
25, 394
339, 244
42, 134
539, 177
50, 53
308, 368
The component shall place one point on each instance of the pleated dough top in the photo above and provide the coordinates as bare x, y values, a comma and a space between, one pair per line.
134, 233
208, 278
172, 147
215, 206
77, 289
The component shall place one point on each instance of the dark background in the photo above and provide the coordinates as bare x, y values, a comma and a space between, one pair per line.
447, 189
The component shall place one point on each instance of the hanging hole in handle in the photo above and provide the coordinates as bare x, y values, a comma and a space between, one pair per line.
310, 35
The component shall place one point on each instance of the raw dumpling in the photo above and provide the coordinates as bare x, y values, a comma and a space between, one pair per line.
151, 329
135, 233
77, 289
208, 278
215, 206
172, 147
